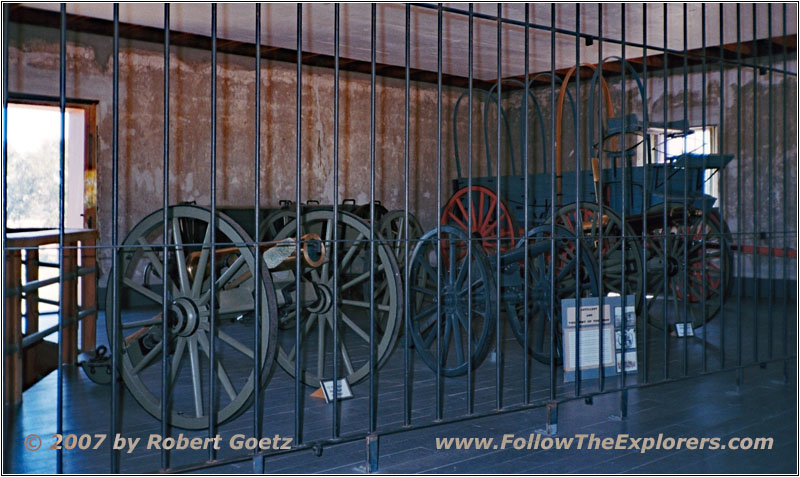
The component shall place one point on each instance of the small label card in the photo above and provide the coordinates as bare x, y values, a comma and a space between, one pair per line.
683, 332
343, 391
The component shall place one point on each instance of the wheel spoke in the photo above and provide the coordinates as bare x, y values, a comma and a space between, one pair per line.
222, 375
364, 304
194, 359
200, 271
235, 344
176, 359
321, 345
349, 322
351, 252
183, 273
146, 292
156, 320
346, 358
227, 275
360, 278
148, 358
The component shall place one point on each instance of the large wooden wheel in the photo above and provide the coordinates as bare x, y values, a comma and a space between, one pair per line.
694, 249
608, 252
189, 317
352, 300
571, 275
484, 217
443, 338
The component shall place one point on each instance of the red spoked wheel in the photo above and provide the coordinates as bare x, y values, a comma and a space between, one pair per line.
484, 217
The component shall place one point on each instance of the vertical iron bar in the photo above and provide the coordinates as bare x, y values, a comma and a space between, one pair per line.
165, 262
212, 352
257, 228
335, 224
526, 226
664, 228
298, 429
704, 231
62, 103
645, 201
769, 181
372, 397
498, 352
438, 413
599, 195
578, 229
739, 217
551, 314
114, 340
685, 236
785, 205
624, 215
470, 73
298, 423
755, 234
407, 318
723, 239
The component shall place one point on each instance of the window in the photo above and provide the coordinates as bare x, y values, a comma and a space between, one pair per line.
699, 141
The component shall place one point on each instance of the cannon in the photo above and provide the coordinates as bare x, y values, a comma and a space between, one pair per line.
231, 314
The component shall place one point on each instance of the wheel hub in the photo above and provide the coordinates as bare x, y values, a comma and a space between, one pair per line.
183, 316
325, 301
673, 267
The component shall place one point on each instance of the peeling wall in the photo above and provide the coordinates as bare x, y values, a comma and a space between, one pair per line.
34, 57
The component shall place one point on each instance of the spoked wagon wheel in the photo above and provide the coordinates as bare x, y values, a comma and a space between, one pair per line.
455, 320
484, 217
352, 298
586, 216
707, 274
274, 223
190, 315
570, 269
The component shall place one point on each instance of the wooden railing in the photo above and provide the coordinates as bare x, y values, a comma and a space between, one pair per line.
77, 242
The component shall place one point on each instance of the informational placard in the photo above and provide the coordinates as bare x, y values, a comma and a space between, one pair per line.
587, 336
344, 391
684, 329
625, 337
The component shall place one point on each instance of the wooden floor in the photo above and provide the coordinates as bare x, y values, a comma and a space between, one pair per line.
703, 406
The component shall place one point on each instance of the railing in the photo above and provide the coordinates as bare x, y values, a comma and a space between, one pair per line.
77, 243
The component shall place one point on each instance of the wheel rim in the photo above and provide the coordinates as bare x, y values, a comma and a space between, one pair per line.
453, 326
569, 270
316, 341
702, 293
484, 217
190, 317
610, 251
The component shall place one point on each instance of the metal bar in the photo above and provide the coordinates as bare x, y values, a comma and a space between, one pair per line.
165, 262
62, 103
6, 269
372, 380
438, 412
623, 267
114, 340
723, 265
739, 216
600, 199
769, 181
298, 387
406, 205
526, 226
756, 261
645, 206
552, 380
685, 194
705, 211
578, 230
785, 207
335, 420
212, 352
470, 225
664, 218
257, 425
498, 343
